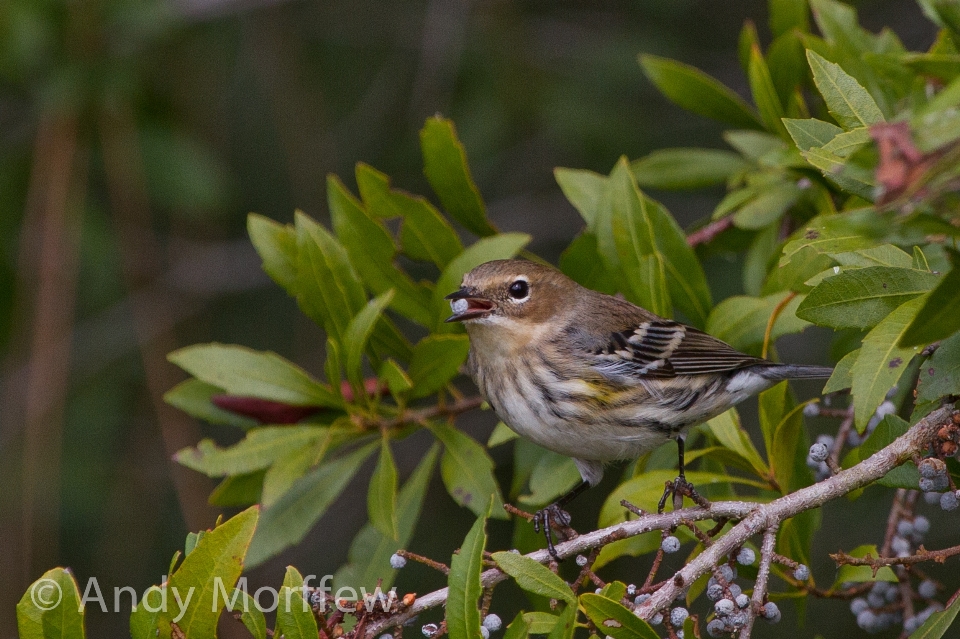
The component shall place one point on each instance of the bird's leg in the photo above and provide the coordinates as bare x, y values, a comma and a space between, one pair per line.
680, 487
554, 515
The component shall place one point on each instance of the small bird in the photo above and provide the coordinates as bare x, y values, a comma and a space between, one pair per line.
594, 377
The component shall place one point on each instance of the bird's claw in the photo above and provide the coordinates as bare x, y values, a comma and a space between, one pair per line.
550, 518
680, 488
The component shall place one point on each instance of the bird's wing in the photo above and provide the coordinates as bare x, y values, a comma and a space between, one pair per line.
662, 349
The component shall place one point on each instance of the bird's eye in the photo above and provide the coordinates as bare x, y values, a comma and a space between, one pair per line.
519, 289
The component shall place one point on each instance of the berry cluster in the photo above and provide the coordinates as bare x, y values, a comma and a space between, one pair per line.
936, 485
880, 610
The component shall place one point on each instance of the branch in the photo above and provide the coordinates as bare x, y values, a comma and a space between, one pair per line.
922, 555
710, 231
756, 518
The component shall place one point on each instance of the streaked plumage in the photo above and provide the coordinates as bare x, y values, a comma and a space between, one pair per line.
593, 376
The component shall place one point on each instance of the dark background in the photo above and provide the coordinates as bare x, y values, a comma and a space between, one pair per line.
135, 136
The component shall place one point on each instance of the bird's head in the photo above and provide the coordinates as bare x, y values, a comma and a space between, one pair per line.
511, 292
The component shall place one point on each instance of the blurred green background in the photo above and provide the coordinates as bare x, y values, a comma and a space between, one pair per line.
135, 136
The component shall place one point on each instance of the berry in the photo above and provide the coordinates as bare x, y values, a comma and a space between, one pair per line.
876, 600
811, 410
631, 590
670, 544
386, 635
742, 600
739, 619
801, 573
492, 623
867, 620
429, 630
656, 620
927, 589
735, 590
826, 440
484, 632
746, 557
678, 616
900, 545
641, 599
728, 573
931, 498
397, 562
581, 561
905, 528
949, 501
819, 452
921, 525
714, 592
858, 605
931, 468
679, 634
770, 612
716, 628
724, 607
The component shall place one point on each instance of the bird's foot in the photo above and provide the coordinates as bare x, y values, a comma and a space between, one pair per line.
553, 518
680, 488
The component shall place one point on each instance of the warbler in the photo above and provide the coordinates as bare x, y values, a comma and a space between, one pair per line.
595, 377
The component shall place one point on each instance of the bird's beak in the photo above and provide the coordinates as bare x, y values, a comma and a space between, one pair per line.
467, 305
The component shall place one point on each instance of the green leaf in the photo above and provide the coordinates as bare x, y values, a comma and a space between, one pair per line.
288, 520
728, 431
397, 379
881, 362
891, 427
501, 435
247, 373
849, 103
541, 623
844, 144
940, 375
194, 398
788, 69
382, 493
534, 577
837, 171
436, 361
566, 624
742, 321
371, 251
939, 622
277, 245
552, 476
765, 93
695, 91
614, 620
767, 207
251, 616
289, 468
861, 574
883, 255
581, 262
498, 247
789, 452
584, 189
786, 15
811, 133
467, 472
260, 448
652, 252
860, 298
238, 490
358, 333
143, 619
214, 566
940, 315
445, 165
463, 583
686, 168
425, 234
796, 535
842, 373
50, 608
519, 628
295, 618
368, 559
772, 404
329, 290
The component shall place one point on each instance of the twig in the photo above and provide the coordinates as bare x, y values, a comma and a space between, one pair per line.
756, 518
843, 433
773, 320
763, 578
422, 415
426, 561
922, 555
710, 231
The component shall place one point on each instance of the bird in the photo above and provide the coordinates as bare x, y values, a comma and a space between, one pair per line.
594, 377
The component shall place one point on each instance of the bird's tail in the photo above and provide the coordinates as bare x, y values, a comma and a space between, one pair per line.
779, 372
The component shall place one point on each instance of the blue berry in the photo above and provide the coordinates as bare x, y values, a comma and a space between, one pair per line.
812, 409
631, 590
492, 623
724, 607
678, 616
581, 561
876, 600
429, 630
905, 528
714, 592
931, 498
735, 590
716, 628
739, 619
742, 600
858, 605
656, 620
927, 589
921, 525
746, 557
899, 545
770, 612
484, 632
640, 599
949, 501
819, 452
801, 573
679, 633
397, 562
670, 544
867, 620
728, 573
